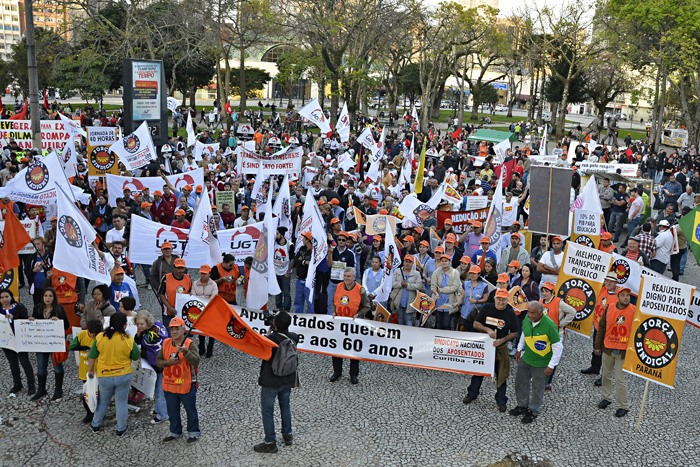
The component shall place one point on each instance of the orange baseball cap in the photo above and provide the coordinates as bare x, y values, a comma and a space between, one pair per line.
477, 224
180, 212
307, 235
445, 257
244, 207
343, 234
450, 238
465, 259
606, 236
321, 202
503, 277
485, 240
515, 234
205, 268
199, 189
188, 187
475, 269
548, 285
383, 211
176, 322
157, 193
166, 244
408, 238
624, 289
424, 242
54, 218
335, 220
334, 201
501, 293
439, 249
119, 271
557, 237
515, 264
146, 204
448, 221
410, 258
179, 263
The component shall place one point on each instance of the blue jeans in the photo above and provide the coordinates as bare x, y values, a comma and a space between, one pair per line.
283, 300
159, 397
405, 318
631, 225
684, 261
526, 175
617, 219
301, 296
117, 386
267, 407
189, 401
652, 173
42, 362
331, 293
146, 271
475, 387
442, 320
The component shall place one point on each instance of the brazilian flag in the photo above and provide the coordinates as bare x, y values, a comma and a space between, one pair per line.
690, 225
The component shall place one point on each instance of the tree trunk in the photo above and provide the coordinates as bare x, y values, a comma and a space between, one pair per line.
540, 89
534, 77
242, 83
655, 108
476, 101
322, 92
562, 110
662, 105
335, 92
460, 114
435, 105
193, 97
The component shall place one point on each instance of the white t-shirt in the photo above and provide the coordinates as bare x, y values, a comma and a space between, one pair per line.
638, 205
547, 261
114, 235
510, 211
281, 259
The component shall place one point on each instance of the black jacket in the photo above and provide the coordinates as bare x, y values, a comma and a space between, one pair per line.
267, 378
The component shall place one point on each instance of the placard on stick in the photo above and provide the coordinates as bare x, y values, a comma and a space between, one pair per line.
550, 192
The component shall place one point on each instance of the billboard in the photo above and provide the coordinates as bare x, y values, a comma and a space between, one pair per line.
145, 98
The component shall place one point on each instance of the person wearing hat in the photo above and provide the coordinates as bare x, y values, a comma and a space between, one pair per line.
341, 258
664, 247
635, 253
162, 266
205, 288
502, 282
606, 243
677, 265
162, 209
145, 211
283, 269
451, 250
558, 310
405, 283
618, 210
614, 330
430, 266
336, 228
551, 261
538, 354
226, 275
472, 238
479, 257
422, 257
180, 380
180, 222
498, 320
606, 297
349, 300
302, 259
473, 298
514, 252
187, 192
118, 288
244, 219
172, 284
445, 287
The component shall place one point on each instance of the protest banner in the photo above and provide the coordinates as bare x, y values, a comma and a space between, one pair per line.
657, 328
288, 161
476, 202
376, 224
433, 349
694, 311
30, 226
461, 219
101, 160
424, 305
629, 273
131, 328
116, 184
7, 337
143, 377
9, 281
626, 170
40, 335
225, 197
148, 236
308, 180
208, 149
581, 276
585, 229
136, 149
54, 133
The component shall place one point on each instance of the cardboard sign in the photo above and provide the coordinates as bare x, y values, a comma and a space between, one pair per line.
586, 228
376, 224
226, 197
41, 335
143, 377
461, 219
101, 159
7, 337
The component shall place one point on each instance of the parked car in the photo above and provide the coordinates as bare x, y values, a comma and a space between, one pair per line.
501, 108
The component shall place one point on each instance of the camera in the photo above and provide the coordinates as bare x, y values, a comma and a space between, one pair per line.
268, 317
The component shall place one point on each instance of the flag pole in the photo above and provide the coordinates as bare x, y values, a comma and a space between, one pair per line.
641, 409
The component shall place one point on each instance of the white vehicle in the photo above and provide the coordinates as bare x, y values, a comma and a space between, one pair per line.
622, 116
546, 117
501, 108
676, 137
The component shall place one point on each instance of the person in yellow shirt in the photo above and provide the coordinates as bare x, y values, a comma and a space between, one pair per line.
110, 360
82, 343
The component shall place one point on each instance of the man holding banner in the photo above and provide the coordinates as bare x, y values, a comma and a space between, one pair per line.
611, 342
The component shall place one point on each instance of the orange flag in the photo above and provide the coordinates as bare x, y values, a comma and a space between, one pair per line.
14, 237
220, 321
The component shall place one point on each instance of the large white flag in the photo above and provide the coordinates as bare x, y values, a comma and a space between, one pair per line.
543, 142
367, 140
203, 231
262, 272
173, 104
136, 149
314, 113
494, 221
501, 150
313, 222
377, 155
191, 138
392, 262
257, 194
69, 158
72, 126
414, 115
75, 252
37, 183
201, 148
416, 211
282, 209
343, 125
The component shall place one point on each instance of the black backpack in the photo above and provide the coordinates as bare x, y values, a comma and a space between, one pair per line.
286, 360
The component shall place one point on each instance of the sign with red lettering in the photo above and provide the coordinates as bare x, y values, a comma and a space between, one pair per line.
54, 133
461, 219
288, 160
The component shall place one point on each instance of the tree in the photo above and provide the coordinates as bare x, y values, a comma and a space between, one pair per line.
605, 81
554, 87
82, 73
409, 82
255, 81
488, 94
50, 48
291, 65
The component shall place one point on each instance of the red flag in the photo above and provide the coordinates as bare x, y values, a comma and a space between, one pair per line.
22, 114
224, 324
431, 134
510, 165
227, 108
14, 237
457, 133
46, 101
2, 109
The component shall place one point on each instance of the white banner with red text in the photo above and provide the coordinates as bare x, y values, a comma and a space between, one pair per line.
117, 184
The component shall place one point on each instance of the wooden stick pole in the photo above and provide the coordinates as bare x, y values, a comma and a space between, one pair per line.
641, 409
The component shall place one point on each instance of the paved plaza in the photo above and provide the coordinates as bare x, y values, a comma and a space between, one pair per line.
395, 416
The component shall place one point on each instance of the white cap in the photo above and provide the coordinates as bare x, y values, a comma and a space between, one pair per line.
664, 223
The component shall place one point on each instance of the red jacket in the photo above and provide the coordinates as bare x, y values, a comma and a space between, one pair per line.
163, 212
